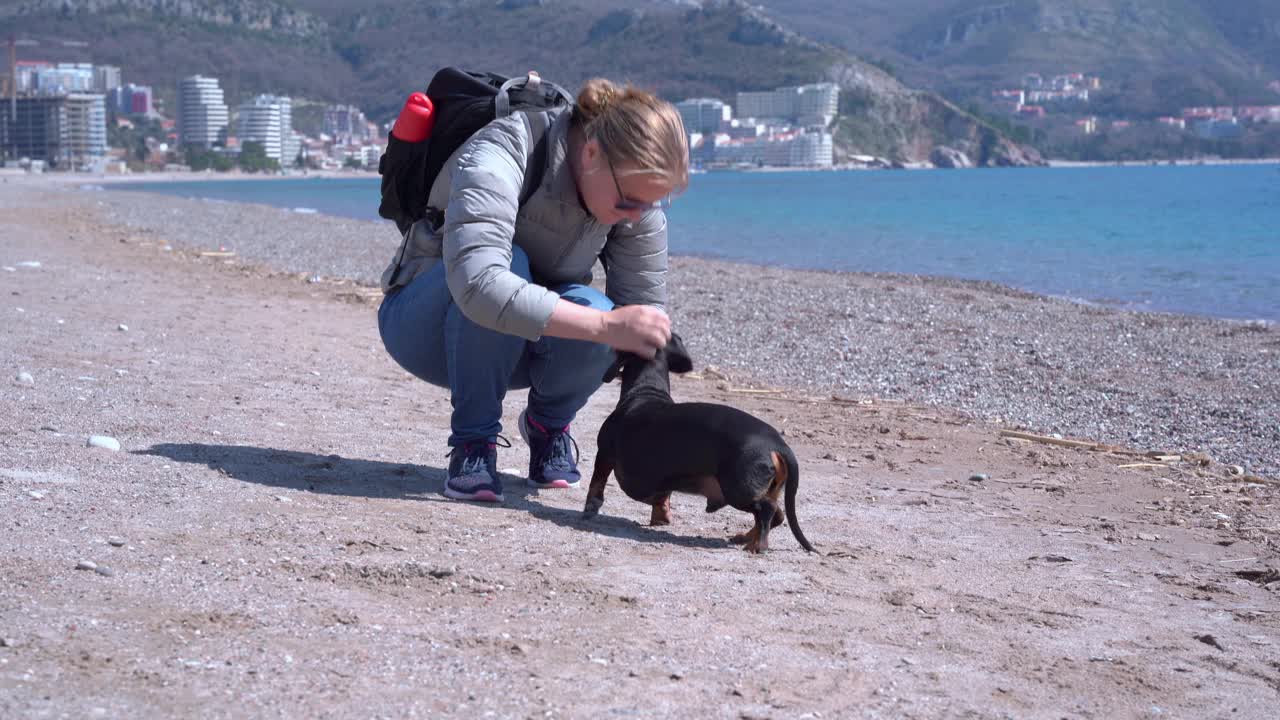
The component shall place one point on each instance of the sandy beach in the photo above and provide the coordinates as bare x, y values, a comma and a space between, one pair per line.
270, 539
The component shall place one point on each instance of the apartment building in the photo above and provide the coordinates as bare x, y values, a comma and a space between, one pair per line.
105, 78
268, 120
806, 105
84, 130
347, 125
131, 100
798, 148
202, 112
703, 115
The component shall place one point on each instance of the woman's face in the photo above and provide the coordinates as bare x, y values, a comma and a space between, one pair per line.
610, 193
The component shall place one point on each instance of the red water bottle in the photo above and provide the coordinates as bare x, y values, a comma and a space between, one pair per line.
416, 119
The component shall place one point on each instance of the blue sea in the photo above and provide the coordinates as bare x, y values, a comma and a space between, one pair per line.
1201, 240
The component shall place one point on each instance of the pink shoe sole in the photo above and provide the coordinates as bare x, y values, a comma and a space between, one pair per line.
479, 496
553, 485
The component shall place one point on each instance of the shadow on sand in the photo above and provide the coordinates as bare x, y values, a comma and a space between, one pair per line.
336, 475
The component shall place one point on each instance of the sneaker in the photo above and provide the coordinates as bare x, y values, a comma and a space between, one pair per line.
553, 455
473, 472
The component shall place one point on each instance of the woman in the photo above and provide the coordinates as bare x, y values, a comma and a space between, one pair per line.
498, 297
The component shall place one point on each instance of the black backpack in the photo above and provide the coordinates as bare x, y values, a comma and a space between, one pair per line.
463, 103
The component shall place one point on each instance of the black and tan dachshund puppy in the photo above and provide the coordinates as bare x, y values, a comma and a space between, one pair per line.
656, 446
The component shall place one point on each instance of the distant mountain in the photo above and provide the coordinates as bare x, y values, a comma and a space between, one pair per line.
1155, 56
373, 54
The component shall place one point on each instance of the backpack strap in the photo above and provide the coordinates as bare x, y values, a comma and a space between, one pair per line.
532, 83
536, 166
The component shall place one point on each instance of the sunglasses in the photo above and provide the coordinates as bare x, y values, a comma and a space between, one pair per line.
626, 204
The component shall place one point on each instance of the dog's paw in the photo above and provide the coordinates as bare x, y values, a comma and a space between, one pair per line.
592, 508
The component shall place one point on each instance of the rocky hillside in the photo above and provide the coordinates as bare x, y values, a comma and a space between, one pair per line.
371, 54
881, 117
1155, 55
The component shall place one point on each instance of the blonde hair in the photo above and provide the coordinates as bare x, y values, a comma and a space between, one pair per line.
636, 128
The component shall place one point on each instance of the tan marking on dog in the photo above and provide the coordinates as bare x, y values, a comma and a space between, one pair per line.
779, 477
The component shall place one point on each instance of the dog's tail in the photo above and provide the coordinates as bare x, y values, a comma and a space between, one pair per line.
792, 485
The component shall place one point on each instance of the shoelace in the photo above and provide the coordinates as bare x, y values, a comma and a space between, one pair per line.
558, 450
475, 460
475, 464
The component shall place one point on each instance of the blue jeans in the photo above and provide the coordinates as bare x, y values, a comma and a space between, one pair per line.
426, 333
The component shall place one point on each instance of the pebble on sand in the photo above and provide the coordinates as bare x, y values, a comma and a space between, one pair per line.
104, 442
86, 565
122, 327
25, 378
116, 542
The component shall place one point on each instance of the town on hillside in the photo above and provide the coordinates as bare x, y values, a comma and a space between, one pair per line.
1066, 98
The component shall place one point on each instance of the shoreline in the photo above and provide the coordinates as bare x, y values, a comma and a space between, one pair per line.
168, 176
1080, 300
377, 225
1068, 164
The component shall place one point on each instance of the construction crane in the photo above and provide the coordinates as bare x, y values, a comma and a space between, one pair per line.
11, 77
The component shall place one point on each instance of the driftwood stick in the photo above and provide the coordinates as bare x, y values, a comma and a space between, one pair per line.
1050, 440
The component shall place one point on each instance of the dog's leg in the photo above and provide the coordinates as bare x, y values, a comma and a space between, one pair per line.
595, 492
661, 510
764, 511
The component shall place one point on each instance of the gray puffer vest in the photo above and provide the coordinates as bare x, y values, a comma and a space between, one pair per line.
480, 189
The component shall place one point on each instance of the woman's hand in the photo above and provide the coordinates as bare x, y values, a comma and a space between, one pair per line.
641, 329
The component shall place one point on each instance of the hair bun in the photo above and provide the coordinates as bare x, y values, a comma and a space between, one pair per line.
595, 98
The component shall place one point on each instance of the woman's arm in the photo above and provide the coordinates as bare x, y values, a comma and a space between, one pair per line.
640, 329
480, 218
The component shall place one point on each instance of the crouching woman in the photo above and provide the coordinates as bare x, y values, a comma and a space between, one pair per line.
498, 296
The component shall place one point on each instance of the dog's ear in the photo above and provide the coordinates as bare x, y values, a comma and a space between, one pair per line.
678, 360
619, 360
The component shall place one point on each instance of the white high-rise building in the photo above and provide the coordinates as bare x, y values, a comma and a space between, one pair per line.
84, 129
791, 149
703, 115
202, 113
808, 105
268, 119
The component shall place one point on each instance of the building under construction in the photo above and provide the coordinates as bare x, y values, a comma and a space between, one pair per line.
65, 131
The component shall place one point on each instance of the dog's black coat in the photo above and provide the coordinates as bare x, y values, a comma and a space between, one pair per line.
655, 446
